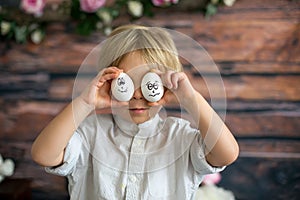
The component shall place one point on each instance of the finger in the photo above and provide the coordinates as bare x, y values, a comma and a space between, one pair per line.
179, 78
103, 79
166, 79
107, 77
112, 70
157, 71
108, 70
108, 74
174, 80
165, 76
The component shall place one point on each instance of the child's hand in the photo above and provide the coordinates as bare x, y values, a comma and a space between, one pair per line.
97, 94
179, 88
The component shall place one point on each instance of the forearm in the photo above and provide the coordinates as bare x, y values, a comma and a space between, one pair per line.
221, 147
48, 148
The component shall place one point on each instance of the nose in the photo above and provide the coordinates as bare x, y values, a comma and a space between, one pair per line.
138, 94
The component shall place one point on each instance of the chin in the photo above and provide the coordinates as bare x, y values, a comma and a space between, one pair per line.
139, 120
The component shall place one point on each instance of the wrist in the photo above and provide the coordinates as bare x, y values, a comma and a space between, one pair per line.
81, 110
191, 102
81, 103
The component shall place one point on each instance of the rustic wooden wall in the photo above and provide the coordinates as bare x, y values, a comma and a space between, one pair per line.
256, 47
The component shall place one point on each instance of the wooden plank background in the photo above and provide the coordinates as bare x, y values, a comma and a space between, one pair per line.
256, 46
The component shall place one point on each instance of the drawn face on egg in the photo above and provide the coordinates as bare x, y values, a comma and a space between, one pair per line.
152, 87
122, 88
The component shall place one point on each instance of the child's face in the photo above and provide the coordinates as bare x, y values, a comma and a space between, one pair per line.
138, 110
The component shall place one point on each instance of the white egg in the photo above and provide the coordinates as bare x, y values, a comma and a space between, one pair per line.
152, 87
122, 88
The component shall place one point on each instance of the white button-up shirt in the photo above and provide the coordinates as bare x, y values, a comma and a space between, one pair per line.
110, 158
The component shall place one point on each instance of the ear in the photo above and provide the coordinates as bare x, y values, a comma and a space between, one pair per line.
122, 87
152, 87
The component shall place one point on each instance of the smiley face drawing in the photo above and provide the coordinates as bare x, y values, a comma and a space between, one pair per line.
152, 87
122, 87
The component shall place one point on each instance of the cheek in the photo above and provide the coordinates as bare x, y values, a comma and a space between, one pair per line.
121, 111
154, 110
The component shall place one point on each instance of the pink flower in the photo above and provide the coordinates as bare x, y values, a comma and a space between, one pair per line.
164, 2
91, 5
34, 7
212, 179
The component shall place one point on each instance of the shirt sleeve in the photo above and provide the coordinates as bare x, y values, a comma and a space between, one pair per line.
71, 155
197, 153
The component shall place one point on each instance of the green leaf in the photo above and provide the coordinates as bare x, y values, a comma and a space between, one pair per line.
75, 9
11, 33
148, 9
21, 34
86, 27
211, 10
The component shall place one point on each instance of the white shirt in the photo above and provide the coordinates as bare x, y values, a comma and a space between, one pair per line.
110, 158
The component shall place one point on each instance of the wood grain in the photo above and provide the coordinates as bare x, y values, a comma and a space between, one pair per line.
255, 50
263, 178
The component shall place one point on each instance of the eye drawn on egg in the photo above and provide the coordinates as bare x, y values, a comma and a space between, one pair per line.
122, 88
122, 85
153, 88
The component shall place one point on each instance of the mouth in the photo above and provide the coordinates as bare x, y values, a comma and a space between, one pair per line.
153, 95
138, 110
123, 91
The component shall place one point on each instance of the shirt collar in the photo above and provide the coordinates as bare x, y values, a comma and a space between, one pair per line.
144, 130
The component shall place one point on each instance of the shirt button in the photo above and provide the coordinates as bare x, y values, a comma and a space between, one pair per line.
123, 186
138, 142
133, 178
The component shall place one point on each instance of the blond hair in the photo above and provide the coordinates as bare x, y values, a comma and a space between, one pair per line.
155, 44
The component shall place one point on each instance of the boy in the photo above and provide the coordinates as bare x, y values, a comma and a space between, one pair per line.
133, 153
